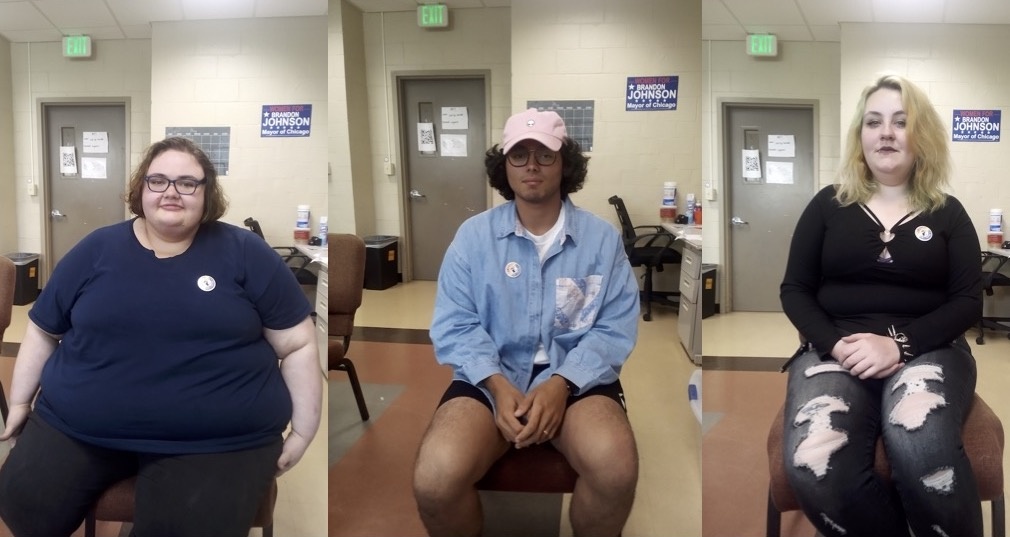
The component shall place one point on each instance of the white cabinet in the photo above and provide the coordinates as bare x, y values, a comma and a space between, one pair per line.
322, 330
689, 316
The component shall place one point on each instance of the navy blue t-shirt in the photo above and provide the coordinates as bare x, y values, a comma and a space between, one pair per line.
168, 355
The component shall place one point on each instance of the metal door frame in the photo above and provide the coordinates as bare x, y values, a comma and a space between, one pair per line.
723, 106
43, 105
399, 78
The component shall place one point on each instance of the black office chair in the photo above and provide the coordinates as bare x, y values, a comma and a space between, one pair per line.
652, 250
298, 261
992, 265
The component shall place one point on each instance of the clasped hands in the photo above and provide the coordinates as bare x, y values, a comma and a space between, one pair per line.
528, 419
868, 355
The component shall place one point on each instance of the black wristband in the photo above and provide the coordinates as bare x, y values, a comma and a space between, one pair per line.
901, 339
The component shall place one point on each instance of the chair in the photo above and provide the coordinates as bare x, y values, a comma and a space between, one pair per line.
992, 264
298, 261
346, 286
983, 442
116, 504
538, 468
651, 250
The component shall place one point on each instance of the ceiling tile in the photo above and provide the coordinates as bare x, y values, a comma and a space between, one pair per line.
21, 16
289, 8
831, 12
204, 10
76, 12
909, 11
137, 12
715, 12
750, 12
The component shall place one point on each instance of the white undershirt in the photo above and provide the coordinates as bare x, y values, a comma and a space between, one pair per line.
543, 244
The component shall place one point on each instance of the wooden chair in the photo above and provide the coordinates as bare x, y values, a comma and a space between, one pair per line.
983, 442
346, 286
117, 505
538, 468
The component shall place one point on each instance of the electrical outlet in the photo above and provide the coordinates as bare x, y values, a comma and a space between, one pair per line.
709, 192
33, 189
388, 168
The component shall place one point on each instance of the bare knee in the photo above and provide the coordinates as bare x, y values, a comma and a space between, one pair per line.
609, 465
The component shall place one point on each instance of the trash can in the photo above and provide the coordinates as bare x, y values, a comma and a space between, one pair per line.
707, 290
26, 283
381, 265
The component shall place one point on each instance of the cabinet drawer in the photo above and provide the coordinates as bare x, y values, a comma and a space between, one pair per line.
689, 287
690, 263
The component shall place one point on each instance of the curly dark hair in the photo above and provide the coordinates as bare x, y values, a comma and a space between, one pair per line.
574, 166
215, 203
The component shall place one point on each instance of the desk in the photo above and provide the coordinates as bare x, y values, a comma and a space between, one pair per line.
320, 255
688, 242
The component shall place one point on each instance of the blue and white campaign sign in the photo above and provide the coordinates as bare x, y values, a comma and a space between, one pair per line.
649, 93
976, 126
286, 120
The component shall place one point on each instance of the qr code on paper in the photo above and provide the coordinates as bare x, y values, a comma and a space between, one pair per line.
427, 136
69, 161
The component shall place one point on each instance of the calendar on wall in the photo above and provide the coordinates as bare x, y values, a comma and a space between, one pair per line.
215, 141
577, 115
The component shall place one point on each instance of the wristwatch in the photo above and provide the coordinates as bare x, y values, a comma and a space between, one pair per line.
572, 388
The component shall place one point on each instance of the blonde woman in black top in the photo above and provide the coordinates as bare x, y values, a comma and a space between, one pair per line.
882, 281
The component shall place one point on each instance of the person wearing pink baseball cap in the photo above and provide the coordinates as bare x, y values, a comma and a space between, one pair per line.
536, 312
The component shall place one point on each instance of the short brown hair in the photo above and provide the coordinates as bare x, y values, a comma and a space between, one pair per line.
215, 204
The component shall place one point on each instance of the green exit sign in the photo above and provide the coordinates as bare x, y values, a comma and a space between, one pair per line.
77, 46
762, 45
432, 16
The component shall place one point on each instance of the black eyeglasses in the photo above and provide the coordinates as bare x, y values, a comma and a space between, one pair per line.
183, 185
520, 156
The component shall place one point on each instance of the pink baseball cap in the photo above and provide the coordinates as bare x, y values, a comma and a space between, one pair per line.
545, 127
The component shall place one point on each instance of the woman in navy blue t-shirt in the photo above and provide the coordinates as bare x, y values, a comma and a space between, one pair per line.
153, 350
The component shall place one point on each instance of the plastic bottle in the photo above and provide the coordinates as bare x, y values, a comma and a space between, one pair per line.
689, 209
303, 217
995, 220
697, 214
670, 193
324, 228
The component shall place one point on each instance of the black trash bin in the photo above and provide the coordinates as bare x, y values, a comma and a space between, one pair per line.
707, 290
26, 284
381, 265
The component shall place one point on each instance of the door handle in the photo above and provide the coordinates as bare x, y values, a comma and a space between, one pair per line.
57, 214
414, 194
737, 221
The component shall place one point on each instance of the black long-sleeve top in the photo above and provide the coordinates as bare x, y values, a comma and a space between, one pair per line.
837, 284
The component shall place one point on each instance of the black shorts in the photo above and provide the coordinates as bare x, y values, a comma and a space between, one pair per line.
461, 388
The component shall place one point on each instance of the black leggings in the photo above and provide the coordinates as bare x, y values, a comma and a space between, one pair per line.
50, 480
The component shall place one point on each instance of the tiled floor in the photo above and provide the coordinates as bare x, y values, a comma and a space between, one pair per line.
743, 390
369, 487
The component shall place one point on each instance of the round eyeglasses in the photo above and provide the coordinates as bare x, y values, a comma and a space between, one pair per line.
520, 156
185, 186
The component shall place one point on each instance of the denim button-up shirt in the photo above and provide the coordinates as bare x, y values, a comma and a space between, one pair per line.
496, 302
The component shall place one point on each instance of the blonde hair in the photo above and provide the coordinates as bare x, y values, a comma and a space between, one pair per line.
927, 140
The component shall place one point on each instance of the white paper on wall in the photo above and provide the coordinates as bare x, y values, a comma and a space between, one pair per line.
455, 117
453, 145
426, 137
781, 146
96, 142
751, 164
780, 173
93, 168
68, 160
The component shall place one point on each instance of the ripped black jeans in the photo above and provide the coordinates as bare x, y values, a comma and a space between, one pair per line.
832, 421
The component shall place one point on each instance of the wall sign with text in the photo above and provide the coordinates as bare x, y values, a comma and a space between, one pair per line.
976, 126
286, 120
651, 93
